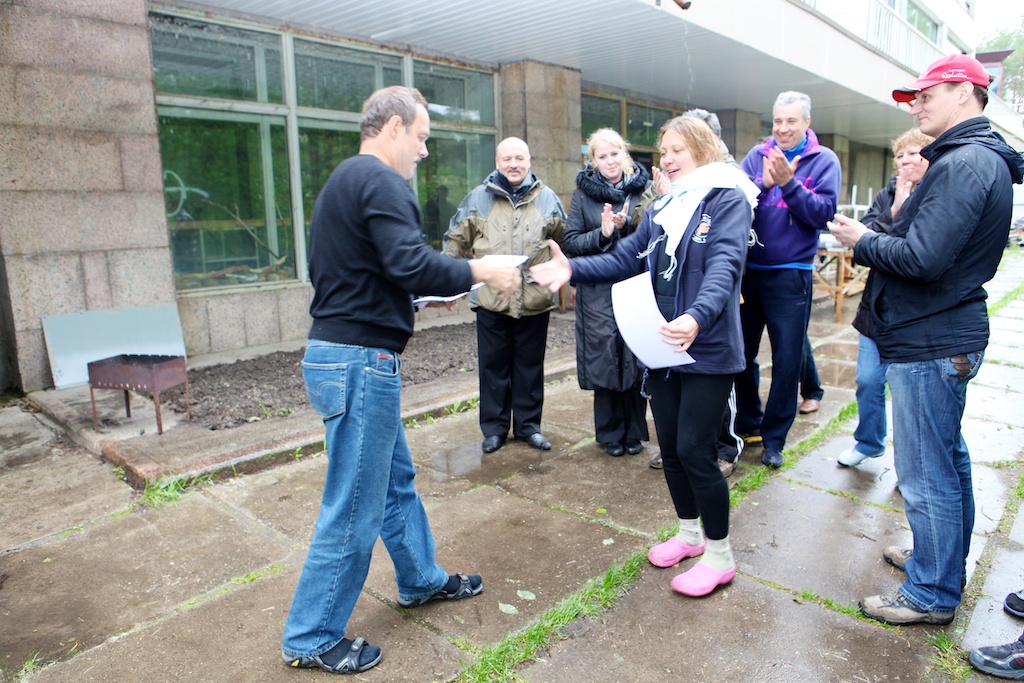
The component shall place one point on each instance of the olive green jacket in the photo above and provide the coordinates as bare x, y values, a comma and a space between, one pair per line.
489, 221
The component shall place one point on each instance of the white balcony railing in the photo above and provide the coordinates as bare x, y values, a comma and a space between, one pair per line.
879, 26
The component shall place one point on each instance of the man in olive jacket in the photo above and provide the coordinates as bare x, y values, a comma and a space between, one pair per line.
512, 213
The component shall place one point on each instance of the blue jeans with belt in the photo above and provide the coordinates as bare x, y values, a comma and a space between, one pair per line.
934, 470
368, 494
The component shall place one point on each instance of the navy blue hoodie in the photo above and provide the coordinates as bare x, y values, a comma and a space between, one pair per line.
928, 299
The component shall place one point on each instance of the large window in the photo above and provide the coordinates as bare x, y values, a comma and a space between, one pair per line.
207, 60
228, 206
456, 94
456, 163
922, 22
600, 112
331, 77
322, 146
643, 124
247, 150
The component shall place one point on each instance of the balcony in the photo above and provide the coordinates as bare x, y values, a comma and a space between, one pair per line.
880, 27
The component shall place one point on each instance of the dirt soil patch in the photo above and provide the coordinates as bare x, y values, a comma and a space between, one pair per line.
271, 387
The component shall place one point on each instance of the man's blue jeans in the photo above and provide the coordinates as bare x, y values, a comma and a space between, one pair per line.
934, 470
871, 424
368, 493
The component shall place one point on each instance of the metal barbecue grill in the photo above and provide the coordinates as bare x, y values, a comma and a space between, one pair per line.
138, 373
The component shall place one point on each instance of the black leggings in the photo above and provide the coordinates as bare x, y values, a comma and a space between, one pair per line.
688, 410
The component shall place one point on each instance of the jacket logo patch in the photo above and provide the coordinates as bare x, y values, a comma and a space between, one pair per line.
700, 235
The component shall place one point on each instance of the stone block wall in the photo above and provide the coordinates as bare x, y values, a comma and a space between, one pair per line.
540, 103
82, 223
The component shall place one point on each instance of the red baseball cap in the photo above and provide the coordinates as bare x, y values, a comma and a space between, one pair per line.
951, 69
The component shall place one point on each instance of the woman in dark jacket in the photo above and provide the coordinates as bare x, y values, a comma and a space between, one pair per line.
871, 425
692, 244
604, 363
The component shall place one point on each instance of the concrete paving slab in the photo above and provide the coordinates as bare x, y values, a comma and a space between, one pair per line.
587, 480
835, 399
788, 534
248, 621
839, 350
23, 437
990, 441
836, 373
1014, 309
747, 632
287, 499
992, 404
873, 481
989, 624
992, 490
87, 490
1017, 532
110, 413
516, 545
999, 376
1010, 327
1002, 354
73, 594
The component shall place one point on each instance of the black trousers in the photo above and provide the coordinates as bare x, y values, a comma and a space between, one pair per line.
620, 415
688, 411
511, 352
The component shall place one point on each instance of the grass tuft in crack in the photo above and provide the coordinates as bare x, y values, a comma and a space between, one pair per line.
499, 662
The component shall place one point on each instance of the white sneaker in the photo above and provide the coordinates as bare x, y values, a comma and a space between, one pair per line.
851, 457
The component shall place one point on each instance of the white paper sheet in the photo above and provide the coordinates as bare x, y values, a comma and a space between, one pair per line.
510, 260
639, 320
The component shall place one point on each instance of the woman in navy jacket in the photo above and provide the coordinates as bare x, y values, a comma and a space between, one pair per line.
693, 243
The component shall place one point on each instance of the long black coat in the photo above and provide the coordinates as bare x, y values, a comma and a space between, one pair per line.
603, 361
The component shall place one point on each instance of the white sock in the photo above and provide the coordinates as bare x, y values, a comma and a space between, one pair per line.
690, 532
718, 554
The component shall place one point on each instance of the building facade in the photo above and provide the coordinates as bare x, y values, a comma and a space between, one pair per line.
172, 152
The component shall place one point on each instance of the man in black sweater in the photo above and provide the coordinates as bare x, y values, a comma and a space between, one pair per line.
366, 257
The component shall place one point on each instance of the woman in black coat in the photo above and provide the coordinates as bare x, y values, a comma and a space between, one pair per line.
604, 363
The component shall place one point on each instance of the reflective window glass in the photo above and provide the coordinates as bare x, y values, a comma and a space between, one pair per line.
227, 196
321, 149
456, 95
599, 112
456, 164
330, 77
208, 60
643, 124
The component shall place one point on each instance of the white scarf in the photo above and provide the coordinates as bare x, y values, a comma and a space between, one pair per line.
678, 207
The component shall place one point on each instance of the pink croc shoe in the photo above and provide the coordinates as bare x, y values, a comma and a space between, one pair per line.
701, 579
672, 552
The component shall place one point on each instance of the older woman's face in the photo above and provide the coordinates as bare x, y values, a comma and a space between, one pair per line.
910, 164
676, 159
608, 160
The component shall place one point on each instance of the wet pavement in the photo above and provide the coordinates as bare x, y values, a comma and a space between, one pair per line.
198, 589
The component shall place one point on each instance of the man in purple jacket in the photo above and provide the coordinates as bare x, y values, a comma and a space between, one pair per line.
799, 181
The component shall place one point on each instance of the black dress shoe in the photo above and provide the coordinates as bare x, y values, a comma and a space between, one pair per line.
538, 441
614, 449
492, 443
633, 446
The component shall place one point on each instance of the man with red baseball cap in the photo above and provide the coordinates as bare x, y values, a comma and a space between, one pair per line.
931, 321
951, 69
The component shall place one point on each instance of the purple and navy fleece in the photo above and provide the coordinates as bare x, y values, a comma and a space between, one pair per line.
788, 218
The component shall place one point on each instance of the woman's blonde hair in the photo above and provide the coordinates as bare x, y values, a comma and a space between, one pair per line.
698, 137
912, 138
615, 140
